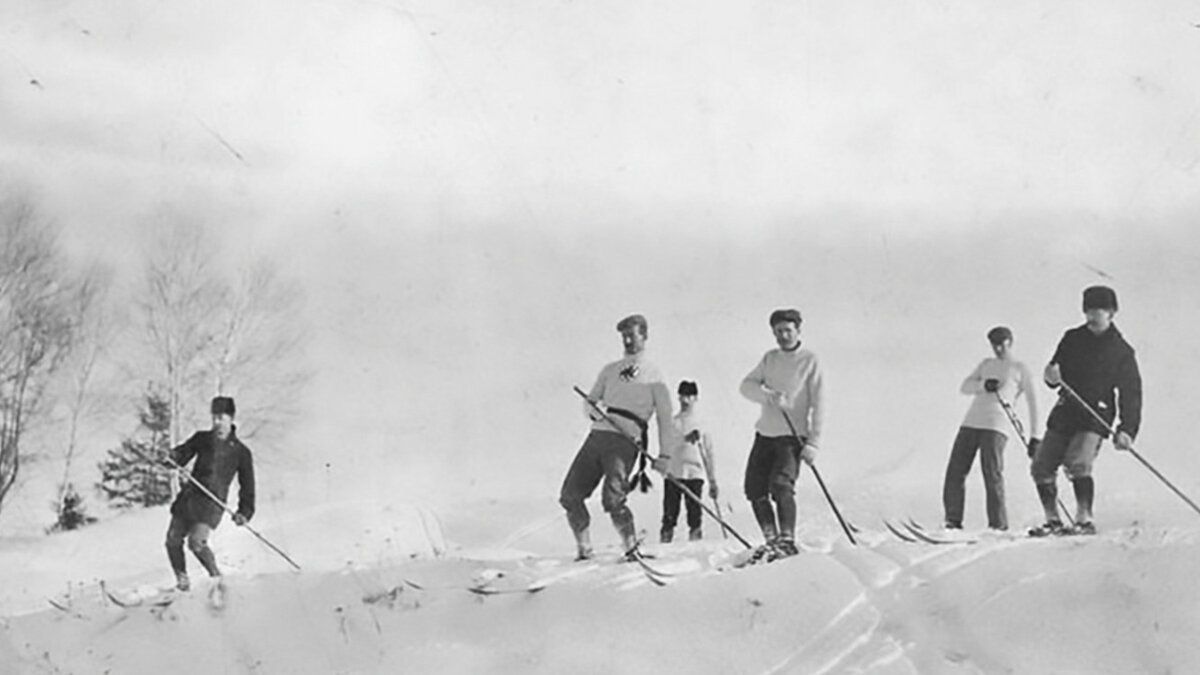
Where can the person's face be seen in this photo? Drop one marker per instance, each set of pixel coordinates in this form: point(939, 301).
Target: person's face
point(687, 400)
point(222, 424)
point(634, 340)
point(1098, 320)
point(1001, 349)
point(787, 334)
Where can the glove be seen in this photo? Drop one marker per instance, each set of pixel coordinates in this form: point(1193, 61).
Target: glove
point(712, 489)
point(659, 464)
point(779, 398)
point(1052, 375)
point(239, 519)
point(991, 385)
point(808, 453)
point(693, 436)
point(1122, 441)
point(1034, 444)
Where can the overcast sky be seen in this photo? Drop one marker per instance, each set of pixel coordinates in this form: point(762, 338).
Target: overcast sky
point(451, 176)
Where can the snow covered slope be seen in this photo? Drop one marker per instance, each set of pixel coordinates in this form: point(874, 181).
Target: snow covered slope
point(1120, 602)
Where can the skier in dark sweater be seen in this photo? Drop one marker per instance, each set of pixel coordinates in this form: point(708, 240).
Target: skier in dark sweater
point(1098, 364)
point(194, 515)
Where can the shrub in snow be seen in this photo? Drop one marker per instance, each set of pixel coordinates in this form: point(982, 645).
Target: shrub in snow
point(72, 514)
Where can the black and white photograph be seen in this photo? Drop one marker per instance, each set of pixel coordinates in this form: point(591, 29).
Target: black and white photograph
point(471, 337)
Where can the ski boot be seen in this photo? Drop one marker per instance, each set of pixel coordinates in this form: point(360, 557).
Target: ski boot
point(785, 547)
point(1081, 528)
point(583, 545)
point(182, 582)
point(216, 594)
point(1049, 528)
point(695, 534)
point(666, 536)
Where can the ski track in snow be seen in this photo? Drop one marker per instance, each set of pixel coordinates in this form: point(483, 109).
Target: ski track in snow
point(890, 573)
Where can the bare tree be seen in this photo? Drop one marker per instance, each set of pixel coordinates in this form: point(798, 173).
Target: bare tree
point(212, 336)
point(258, 352)
point(181, 305)
point(81, 395)
point(36, 327)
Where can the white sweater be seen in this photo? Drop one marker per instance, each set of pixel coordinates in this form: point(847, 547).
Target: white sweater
point(985, 411)
point(798, 375)
point(636, 385)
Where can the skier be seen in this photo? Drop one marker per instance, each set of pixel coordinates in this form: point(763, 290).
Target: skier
point(787, 384)
point(1095, 361)
point(985, 429)
point(220, 456)
point(690, 461)
point(630, 390)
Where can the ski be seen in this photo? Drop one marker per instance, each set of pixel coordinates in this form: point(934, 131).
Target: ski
point(59, 606)
point(160, 599)
point(654, 575)
point(899, 535)
point(490, 590)
point(923, 536)
point(480, 589)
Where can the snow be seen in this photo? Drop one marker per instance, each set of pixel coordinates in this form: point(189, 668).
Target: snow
point(1122, 601)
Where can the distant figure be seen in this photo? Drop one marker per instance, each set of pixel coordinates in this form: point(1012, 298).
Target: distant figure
point(995, 383)
point(219, 457)
point(787, 384)
point(1096, 362)
point(690, 461)
point(630, 391)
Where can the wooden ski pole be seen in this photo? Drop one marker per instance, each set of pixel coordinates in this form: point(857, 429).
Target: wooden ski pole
point(1016, 423)
point(821, 482)
point(1112, 430)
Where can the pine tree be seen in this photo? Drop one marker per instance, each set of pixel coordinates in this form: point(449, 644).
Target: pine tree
point(133, 474)
point(72, 514)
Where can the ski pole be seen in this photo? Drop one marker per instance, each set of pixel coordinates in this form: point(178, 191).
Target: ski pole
point(674, 481)
point(716, 504)
point(1012, 417)
point(820, 481)
point(1112, 430)
point(191, 479)
point(724, 529)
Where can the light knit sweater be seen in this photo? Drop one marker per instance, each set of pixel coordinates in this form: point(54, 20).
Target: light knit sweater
point(798, 375)
point(636, 385)
point(986, 412)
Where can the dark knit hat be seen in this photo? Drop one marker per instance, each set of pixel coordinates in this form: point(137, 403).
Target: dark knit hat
point(688, 388)
point(999, 334)
point(781, 315)
point(223, 405)
point(633, 320)
point(1099, 297)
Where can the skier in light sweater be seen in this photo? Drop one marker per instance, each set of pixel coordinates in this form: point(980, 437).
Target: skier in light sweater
point(787, 384)
point(630, 391)
point(690, 461)
point(986, 427)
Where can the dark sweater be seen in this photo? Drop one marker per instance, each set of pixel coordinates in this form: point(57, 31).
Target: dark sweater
point(1097, 367)
point(217, 462)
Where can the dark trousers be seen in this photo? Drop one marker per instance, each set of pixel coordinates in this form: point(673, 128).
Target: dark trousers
point(605, 456)
point(771, 476)
point(197, 540)
point(671, 496)
point(990, 447)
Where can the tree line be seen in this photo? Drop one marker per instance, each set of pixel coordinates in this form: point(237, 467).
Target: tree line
point(83, 347)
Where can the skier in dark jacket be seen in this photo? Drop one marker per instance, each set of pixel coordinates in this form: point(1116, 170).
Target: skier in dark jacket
point(1095, 360)
point(194, 515)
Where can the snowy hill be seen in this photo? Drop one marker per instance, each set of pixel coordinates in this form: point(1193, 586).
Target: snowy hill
point(1120, 602)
